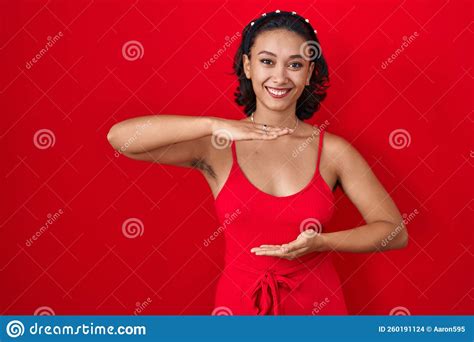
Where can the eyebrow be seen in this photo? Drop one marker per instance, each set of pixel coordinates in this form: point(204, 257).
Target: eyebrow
point(271, 53)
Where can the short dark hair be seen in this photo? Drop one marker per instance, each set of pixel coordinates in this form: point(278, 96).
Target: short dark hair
point(309, 101)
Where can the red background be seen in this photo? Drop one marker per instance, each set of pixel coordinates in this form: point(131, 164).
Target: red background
point(83, 263)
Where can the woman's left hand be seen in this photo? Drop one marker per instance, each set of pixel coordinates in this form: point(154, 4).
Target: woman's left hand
point(307, 242)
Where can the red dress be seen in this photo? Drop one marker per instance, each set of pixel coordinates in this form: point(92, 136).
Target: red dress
point(264, 285)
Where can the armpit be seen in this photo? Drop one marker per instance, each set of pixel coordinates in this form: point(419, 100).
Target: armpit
point(202, 165)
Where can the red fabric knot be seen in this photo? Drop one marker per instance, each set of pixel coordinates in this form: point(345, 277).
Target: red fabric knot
point(266, 292)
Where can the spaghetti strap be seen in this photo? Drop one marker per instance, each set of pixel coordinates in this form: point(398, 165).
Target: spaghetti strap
point(320, 149)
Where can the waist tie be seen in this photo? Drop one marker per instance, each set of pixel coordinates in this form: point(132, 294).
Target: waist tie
point(266, 289)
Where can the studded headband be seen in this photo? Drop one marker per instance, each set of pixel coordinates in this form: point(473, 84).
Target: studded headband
point(256, 23)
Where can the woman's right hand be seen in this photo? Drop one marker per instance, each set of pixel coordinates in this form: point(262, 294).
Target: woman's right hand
point(246, 130)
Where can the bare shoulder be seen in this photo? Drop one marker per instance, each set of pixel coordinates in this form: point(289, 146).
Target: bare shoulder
point(340, 150)
point(334, 142)
point(345, 162)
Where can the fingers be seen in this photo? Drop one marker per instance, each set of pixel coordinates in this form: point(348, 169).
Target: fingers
point(270, 252)
point(262, 132)
point(269, 127)
point(285, 248)
point(265, 248)
point(271, 134)
point(278, 252)
point(272, 131)
point(281, 250)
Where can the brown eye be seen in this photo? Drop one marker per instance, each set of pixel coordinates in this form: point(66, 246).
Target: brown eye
point(266, 61)
point(296, 65)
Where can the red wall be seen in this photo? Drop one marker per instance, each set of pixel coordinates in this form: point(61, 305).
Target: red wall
point(83, 264)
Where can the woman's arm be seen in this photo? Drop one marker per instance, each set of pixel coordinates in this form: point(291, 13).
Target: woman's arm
point(372, 237)
point(145, 133)
point(181, 140)
point(385, 228)
point(165, 139)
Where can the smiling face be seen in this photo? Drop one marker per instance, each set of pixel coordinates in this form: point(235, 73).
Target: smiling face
point(277, 69)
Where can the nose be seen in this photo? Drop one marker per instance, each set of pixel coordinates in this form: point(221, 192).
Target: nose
point(279, 75)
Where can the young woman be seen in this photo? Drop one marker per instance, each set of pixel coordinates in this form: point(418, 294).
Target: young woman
point(273, 176)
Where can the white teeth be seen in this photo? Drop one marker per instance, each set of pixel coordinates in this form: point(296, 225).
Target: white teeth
point(277, 92)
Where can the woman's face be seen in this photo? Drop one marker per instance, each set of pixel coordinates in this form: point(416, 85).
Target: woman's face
point(277, 69)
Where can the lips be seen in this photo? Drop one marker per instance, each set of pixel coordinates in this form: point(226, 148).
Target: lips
point(278, 93)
